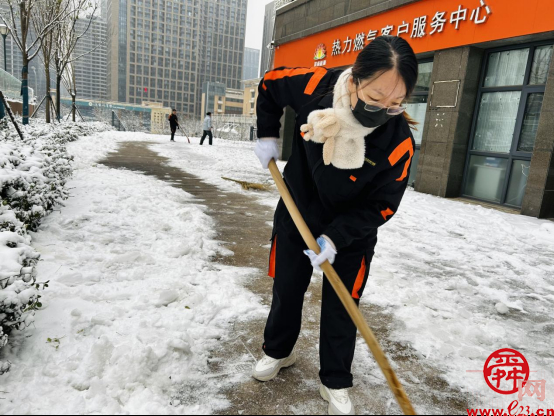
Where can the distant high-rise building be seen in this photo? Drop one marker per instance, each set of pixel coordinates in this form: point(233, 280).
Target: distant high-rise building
point(104, 9)
point(211, 91)
point(269, 28)
point(91, 68)
point(165, 50)
point(251, 63)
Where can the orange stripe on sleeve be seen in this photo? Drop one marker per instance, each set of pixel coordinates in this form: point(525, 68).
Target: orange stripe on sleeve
point(319, 73)
point(315, 80)
point(405, 147)
point(387, 213)
point(359, 280)
point(272, 259)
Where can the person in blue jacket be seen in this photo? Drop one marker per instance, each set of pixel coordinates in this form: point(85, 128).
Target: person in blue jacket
point(349, 169)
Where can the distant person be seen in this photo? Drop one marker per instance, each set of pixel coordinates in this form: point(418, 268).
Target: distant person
point(174, 124)
point(207, 127)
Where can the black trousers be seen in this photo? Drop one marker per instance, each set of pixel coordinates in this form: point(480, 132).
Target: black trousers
point(207, 133)
point(292, 272)
point(173, 130)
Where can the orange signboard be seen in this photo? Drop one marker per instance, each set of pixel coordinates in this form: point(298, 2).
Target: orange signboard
point(428, 25)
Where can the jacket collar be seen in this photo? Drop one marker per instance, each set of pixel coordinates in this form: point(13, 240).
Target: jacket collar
point(382, 137)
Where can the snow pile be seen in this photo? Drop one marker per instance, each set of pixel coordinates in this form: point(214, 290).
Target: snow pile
point(33, 174)
point(134, 304)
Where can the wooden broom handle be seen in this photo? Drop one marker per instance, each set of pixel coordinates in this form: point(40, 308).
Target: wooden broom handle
point(343, 294)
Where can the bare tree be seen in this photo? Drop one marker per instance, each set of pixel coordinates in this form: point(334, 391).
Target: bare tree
point(70, 80)
point(133, 121)
point(18, 20)
point(70, 83)
point(66, 37)
point(102, 114)
point(233, 127)
point(40, 18)
point(191, 126)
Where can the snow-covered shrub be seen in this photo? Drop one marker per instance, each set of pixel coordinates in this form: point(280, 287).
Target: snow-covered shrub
point(33, 174)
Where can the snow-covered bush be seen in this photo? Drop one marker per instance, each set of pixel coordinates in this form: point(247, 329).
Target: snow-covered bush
point(33, 174)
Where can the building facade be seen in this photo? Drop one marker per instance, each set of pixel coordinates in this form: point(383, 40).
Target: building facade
point(251, 66)
point(165, 50)
point(211, 96)
point(484, 96)
point(269, 28)
point(250, 96)
point(233, 102)
point(219, 100)
point(91, 70)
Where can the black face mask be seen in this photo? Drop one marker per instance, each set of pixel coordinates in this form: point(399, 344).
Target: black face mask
point(370, 119)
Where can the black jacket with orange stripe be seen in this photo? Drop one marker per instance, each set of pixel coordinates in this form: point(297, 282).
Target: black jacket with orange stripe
point(346, 205)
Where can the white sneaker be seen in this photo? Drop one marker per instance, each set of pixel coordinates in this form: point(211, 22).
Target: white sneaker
point(267, 368)
point(339, 401)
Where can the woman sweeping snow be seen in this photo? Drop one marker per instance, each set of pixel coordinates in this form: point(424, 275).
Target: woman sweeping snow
point(348, 172)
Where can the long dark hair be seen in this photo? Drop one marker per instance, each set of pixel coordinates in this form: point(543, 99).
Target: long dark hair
point(386, 53)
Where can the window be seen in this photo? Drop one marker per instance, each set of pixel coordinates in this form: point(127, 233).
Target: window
point(417, 109)
point(541, 65)
point(496, 121)
point(506, 123)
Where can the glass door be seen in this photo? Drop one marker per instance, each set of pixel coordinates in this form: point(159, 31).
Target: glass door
point(417, 109)
point(506, 123)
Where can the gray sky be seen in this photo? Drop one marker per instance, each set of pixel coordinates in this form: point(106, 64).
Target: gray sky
point(255, 23)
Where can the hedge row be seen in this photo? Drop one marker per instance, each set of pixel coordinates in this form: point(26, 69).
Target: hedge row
point(33, 175)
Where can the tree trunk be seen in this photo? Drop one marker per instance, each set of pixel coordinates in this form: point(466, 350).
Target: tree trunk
point(25, 90)
point(73, 105)
point(59, 96)
point(74, 92)
point(25, 69)
point(48, 96)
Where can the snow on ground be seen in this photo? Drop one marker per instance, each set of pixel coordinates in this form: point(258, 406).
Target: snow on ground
point(133, 297)
point(446, 271)
point(449, 271)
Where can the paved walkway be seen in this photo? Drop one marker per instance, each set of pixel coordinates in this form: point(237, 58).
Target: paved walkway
point(243, 227)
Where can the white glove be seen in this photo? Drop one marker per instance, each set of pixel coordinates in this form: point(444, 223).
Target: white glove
point(266, 150)
point(328, 253)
